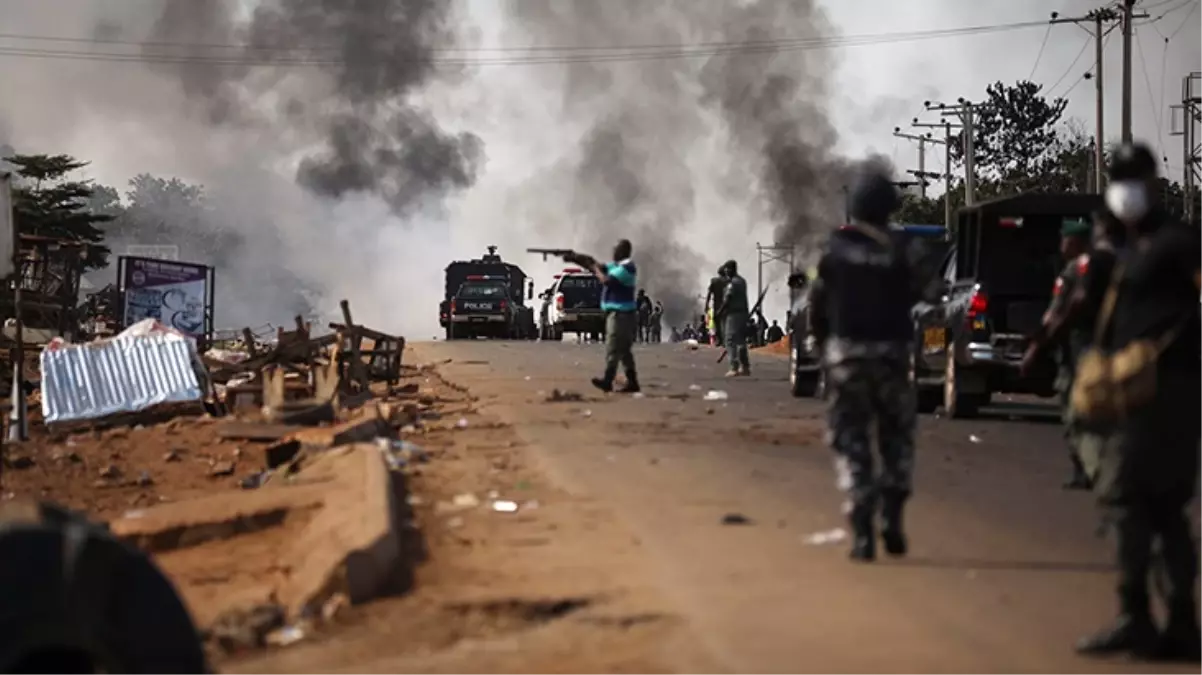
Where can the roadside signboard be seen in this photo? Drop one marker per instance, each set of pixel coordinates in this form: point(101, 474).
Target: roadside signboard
point(177, 294)
point(7, 238)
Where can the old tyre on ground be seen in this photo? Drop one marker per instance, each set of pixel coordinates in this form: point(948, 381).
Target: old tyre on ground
point(957, 404)
point(77, 600)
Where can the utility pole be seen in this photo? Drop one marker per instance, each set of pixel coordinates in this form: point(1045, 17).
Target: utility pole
point(773, 253)
point(1128, 16)
point(1103, 19)
point(922, 157)
point(1191, 145)
point(923, 175)
point(947, 165)
point(966, 110)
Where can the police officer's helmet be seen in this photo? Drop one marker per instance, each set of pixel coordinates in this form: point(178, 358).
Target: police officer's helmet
point(1132, 161)
point(873, 196)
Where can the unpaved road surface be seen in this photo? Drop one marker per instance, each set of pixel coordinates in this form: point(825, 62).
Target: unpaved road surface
point(1005, 570)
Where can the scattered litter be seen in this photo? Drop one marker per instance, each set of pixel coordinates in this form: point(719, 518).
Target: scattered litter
point(334, 606)
point(527, 378)
point(504, 506)
point(587, 413)
point(21, 462)
point(716, 395)
point(144, 479)
point(462, 423)
point(414, 500)
point(222, 469)
point(255, 480)
point(974, 438)
point(171, 456)
point(493, 494)
point(465, 500)
point(694, 387)
point(639, 394)
point(735, 519)
point(563, 396)
point(110, 471)
point(455, 522)
point(135, 514)
point(828, 537)
point(285, 636)
point(692, 344)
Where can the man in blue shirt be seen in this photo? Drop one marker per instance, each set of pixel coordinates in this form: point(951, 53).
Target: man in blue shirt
point(618, 279)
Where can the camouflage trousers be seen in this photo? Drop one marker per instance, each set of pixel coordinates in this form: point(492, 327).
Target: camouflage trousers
point(870, 395)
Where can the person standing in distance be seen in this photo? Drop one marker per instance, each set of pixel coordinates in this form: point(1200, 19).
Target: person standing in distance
point(1074, 249)
point(618, 279)
point(735, 316)
point(859, 315)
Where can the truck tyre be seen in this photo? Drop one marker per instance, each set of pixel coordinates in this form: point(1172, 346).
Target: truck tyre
point(801, 385)
point(80, 601)
point(957, 405)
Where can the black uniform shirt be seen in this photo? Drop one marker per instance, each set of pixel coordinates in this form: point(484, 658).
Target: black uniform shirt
point(1158, 293)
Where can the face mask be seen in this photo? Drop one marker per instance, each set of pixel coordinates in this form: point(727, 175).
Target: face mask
point(1127, 200)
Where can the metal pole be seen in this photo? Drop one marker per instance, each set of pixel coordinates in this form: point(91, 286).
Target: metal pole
point(947, 177)
point(1128, 5)
point(970, 179)
point(759, 270)
point(18, 431)
point(922, 168)
point(1099, 150)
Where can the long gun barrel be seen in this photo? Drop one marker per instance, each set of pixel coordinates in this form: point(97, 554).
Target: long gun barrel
point(567, 254)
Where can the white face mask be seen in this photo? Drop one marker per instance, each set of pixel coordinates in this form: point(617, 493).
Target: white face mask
point(1127, 200)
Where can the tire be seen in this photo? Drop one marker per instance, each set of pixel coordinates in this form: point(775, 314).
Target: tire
point(557, 334)
point(801, 385)
point(79, 600)
point(956, 404)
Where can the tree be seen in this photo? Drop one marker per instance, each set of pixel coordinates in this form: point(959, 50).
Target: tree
point(1015, 135)
point(47, 204)
point(918, 210)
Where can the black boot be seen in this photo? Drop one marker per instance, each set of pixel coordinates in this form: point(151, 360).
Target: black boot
point(605, 385)
point(893, 534)
point(632, 384)
point(1132, 632)
point(1182, 638)
point(1078, 481)
point(863, 539)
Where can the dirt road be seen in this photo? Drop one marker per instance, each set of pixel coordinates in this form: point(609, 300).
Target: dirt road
point(1005, 570)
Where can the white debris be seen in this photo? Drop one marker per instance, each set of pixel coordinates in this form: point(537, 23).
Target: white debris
point(466, 500)
point(639, 394)
point(692, 344)
point(462, 423)
point(285, 636)
point(694, 387)
point(974, 438)
point(828, 537)
point(504, 506)
point(587, 413)
point(716, 395)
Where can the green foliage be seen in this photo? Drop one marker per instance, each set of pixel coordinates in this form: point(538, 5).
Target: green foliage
point(915, 210)
point(1015, 132)
point(46, 203)
point(169, 211)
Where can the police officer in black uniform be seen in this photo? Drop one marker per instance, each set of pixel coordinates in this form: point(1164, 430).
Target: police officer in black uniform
point(1148, 467)
point(859, 314)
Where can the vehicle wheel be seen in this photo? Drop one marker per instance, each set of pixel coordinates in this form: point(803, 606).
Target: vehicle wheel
point(956, 404)
point(558, 334)
point(801, 385)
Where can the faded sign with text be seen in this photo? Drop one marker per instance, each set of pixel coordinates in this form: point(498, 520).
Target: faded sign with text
point(173, 293)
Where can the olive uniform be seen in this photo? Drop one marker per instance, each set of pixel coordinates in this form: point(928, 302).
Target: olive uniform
point(1070, 349)
point(735, 314)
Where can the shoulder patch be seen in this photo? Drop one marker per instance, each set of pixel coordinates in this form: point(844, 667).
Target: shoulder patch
point(1058, 287)
point(1082, 264)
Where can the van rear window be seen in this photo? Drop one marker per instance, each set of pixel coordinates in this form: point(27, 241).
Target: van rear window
point(1021, 257)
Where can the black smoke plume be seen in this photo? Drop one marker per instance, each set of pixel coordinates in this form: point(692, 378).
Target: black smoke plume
point(339, 73)
point(635, 175)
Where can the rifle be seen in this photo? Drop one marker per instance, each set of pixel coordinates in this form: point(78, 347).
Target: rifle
point(569, 255)
point(756, 308)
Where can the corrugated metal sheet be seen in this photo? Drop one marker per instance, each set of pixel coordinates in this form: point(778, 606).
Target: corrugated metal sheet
point(124, 374)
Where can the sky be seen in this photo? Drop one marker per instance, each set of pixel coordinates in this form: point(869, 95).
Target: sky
point(127, 119)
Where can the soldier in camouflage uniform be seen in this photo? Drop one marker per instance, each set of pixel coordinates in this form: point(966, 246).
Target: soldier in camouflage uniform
point(733, 314)
point(859, 313)
point(1074, 246)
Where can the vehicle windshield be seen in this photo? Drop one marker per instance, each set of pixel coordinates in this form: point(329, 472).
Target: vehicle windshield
point(489, 291)
point(578, 282)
